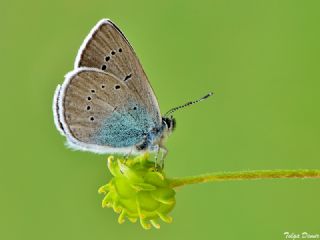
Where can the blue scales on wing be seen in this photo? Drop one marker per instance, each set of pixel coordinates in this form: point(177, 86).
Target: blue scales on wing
point(125, 128)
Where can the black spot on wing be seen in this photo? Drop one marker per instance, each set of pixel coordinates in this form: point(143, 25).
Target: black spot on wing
point(127, 77)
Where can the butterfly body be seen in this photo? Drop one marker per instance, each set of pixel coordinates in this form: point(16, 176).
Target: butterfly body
point(106, 104)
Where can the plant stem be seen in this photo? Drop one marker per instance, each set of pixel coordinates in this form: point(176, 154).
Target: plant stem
point(245, 175)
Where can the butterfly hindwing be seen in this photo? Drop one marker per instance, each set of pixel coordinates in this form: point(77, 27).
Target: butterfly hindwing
point(97, 109)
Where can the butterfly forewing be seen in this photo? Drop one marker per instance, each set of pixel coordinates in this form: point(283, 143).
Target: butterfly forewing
point(107, 49)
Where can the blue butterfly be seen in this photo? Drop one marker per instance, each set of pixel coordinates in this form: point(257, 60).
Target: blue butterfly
point(106, 104)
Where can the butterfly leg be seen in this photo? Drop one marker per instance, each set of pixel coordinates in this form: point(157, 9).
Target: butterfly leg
point(126, 157)
point(159, 161)
point(164, 152)
point(156, 158)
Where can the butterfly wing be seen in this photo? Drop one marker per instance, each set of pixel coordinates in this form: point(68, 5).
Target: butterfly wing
point(56, 115)
point(106, 48)
point(99, 112)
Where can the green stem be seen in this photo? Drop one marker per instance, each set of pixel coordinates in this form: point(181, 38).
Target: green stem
point(245, 175)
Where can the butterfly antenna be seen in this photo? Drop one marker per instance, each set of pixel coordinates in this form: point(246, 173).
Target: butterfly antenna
point(172, 110)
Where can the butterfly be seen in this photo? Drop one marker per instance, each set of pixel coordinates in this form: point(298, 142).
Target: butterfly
point(106, 104)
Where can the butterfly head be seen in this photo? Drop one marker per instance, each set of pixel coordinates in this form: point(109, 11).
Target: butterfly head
point(169, 124)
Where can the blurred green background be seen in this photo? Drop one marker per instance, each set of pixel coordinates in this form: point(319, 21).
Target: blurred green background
point(261, 58)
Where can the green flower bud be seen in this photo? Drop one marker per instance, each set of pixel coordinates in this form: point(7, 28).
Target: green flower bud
point(138, 191)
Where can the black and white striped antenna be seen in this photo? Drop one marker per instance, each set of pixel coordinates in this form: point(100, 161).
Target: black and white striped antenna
point(172, 110)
